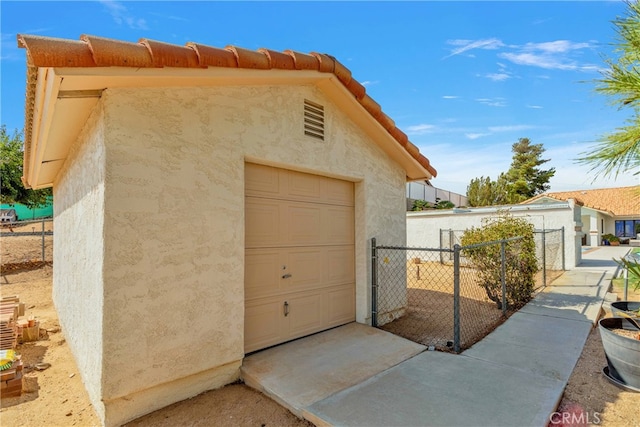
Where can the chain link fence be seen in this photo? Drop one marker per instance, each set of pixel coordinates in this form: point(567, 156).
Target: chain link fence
point(26, 242)
point(550, 252)
point(435, 297)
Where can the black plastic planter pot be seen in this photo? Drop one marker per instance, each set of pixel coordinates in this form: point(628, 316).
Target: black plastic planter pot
point(630, 308)
point(623, 353)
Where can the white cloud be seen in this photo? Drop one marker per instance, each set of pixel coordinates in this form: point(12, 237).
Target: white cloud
point(543, 61)
point(510, 128)
point(553, 55)
point(369, 83)
point(536, 107)
point(420, 129)
point(558, 46)
point(476, 135)
point(466, 45)
point(121, 15)
point(492, 102)
point(450, 97)
point(498, 77)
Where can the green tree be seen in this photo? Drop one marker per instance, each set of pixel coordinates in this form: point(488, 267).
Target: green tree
point(485, 192)
point(619, 151)
point(525, 179)
point(12, 190)
point(521, 265)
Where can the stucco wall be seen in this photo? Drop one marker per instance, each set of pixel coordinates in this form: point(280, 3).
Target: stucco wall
point(423, 227)
point(78, 252)
point(173, 302)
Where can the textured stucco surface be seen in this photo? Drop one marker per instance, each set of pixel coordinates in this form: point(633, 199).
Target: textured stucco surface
point(173, 225)
point(78, 252)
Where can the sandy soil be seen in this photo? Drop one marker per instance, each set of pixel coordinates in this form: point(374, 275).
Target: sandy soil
point(56, 396)
point(589, 396)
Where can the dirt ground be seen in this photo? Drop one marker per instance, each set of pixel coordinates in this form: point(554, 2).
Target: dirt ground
point(590, 393)
point(56, 396)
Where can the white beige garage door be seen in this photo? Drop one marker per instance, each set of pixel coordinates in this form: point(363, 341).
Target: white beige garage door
point(299, 255)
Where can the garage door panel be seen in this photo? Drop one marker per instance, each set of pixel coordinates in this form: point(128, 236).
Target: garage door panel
point(262, 222)
point(262, 273)
point(339, 192)
point(262, 325)
point(302, 222)
point(340, 265)
point(341, 305)
point(302, 186)
point(305, 314)
point(262, 180)
point(338, 225)
point(306, 267)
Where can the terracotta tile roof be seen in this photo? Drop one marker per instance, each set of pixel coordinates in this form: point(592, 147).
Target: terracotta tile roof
point(92, 51)
point(620, 201)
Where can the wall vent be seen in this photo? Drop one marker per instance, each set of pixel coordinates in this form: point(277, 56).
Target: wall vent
point(313, 120)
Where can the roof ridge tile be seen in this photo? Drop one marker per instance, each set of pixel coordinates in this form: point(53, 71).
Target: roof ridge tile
point(92, 51)
point(171, 55)
point(209, 56)
point(249, 58)
point(108, 52)
point(302, 61)
point(278, 60)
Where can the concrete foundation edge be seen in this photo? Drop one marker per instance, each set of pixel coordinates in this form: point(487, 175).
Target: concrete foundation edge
point(127, 408)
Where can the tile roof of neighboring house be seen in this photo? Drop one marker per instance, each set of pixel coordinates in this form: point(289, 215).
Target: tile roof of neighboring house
point(620, 201)
point(92, 51)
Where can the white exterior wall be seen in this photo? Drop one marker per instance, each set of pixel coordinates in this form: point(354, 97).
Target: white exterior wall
point(423, 227)
point(173, 212)
point(78, 253)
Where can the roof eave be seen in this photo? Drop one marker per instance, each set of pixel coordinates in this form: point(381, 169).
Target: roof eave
point(47, 83)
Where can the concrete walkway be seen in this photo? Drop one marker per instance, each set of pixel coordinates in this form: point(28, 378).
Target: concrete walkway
point(359, 376)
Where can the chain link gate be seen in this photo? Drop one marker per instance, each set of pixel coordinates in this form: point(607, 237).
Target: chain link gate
point(431, 296)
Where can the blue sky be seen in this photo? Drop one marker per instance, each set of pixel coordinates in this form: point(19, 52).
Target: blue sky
point(464, 80)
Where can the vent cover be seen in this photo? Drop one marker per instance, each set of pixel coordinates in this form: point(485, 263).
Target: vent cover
point(313, 120)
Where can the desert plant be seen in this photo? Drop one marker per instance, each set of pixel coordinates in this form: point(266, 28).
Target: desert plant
point(633, 271)
point(520, 260)
point(444, 204)
point(421, 205)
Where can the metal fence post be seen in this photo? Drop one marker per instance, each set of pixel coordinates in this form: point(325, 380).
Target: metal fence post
point(456, 298)
point(544, 257)
point(563, 254)
point(503, 275)
point(441, 253)
point(43, 240)
point(374, 283)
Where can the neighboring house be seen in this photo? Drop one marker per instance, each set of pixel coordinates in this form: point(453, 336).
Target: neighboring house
point(8, 215)
point(604, 211)
point(424, 190)
point(430, 228)
point(288, 167)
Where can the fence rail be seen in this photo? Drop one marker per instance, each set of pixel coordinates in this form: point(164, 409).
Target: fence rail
point(21, 250)
point(434, 296)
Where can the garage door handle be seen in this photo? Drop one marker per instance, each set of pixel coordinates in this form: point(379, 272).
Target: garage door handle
point(286, 309)
point(286, 276)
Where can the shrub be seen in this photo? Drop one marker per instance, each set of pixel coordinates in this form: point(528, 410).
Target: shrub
point(520, 255)
point(421, 205)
